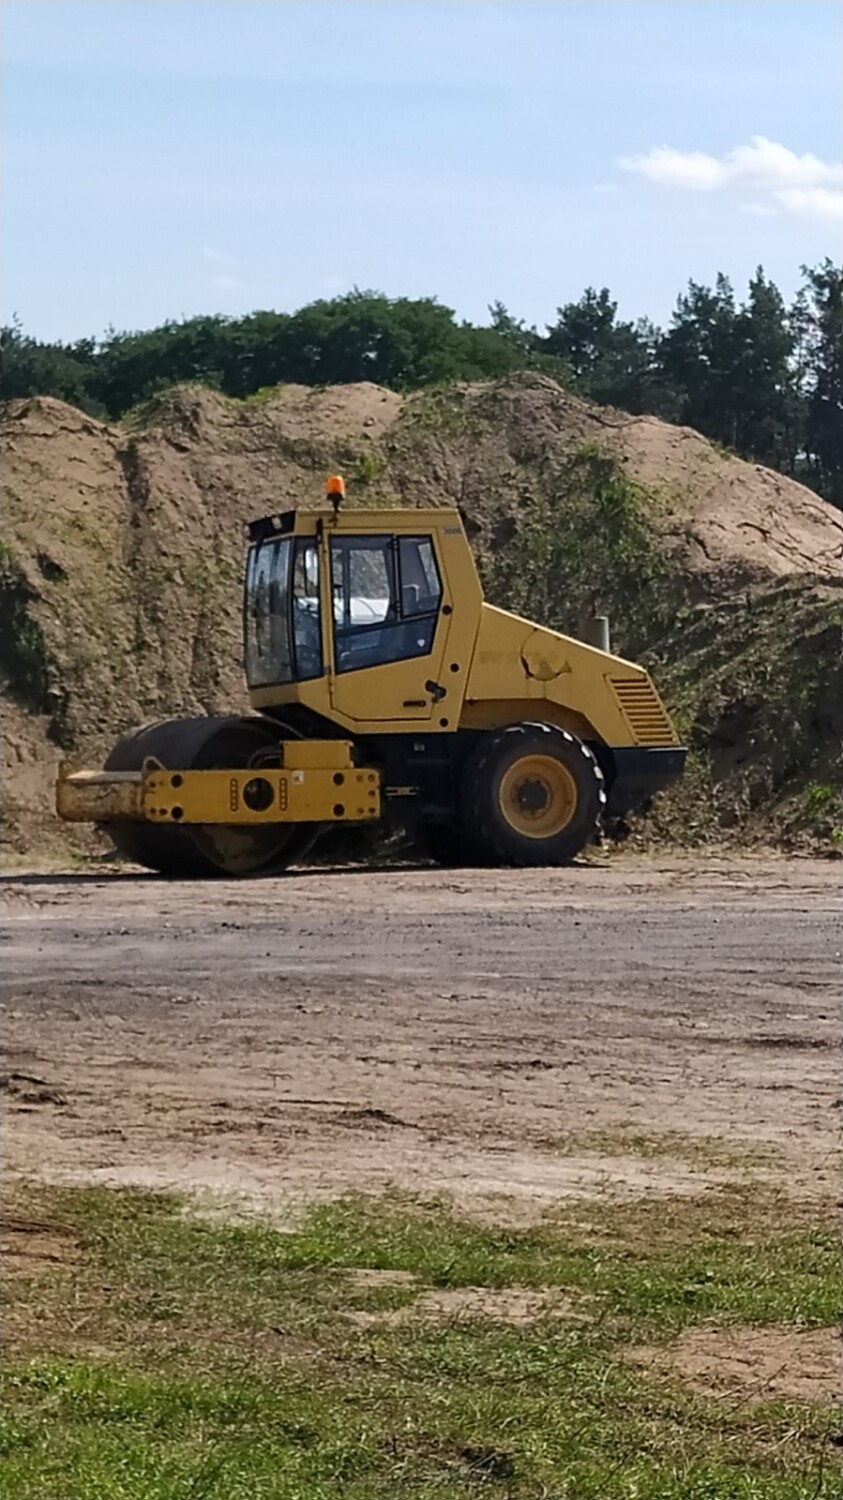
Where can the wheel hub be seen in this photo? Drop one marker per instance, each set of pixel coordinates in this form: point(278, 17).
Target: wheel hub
point(533, 796)
point(538, 796)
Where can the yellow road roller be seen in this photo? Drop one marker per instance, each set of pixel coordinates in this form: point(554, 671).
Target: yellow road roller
point(385, 690)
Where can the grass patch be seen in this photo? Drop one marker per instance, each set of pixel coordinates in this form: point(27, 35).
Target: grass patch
point(165, 1356)
point(367, 470)
point(703, 1152)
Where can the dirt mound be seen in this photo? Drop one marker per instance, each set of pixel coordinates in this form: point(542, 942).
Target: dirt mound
point(122, 555)
point(725, 520)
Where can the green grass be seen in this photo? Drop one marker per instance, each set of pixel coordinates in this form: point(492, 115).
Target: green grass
point(703, 1152)
point(367, 470)
point(169, 1357)
point(819, 795)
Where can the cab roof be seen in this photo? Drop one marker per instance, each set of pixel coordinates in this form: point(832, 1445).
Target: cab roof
point(403, 521)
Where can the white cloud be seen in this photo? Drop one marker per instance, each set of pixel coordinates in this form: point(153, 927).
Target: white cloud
point(804, 185)
point(682, 169)
point(812, 203)
point(761, 164)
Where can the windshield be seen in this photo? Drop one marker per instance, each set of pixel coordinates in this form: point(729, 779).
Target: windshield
point(282, 627)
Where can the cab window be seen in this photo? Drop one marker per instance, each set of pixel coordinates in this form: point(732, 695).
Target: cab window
point(387, 593)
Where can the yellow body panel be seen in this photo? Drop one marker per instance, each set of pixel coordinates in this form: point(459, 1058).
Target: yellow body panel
point(311, 796)
point(321, 755)
point(520, 671)
point(314, 786)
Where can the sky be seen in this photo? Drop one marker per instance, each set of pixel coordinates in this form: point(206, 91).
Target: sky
point(163, 158)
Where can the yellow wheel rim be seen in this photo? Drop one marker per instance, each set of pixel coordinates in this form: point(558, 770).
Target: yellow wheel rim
point(538, 796)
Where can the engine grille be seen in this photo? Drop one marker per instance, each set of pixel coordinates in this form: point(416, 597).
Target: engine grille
point(644, 711)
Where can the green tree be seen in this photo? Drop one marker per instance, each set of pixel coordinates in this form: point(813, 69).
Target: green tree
point(698, 357)
point(513, 331)
point(611, 362)
point(584, 333)
point(817, 318)
point(402, 343)
point(130, 367)
point(31, 368)
point(765, 389)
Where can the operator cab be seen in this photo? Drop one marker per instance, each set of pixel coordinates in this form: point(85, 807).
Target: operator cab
point(385, 600)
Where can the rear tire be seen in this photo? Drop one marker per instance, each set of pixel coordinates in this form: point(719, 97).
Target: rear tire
point(532, 795)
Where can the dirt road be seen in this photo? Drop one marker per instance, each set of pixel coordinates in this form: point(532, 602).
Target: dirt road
point(640, 1026)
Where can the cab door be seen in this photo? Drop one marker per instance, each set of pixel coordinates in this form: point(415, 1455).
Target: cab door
point(389, 632)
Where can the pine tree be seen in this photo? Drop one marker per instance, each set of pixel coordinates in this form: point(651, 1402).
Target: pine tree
point(818, 318)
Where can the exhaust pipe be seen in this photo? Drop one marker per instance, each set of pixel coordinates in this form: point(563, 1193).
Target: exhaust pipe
point(594, 630)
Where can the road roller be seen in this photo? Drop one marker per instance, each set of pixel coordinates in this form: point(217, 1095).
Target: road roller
point(385, 691)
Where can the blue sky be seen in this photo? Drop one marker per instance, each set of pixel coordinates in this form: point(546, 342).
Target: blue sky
point(169, 157)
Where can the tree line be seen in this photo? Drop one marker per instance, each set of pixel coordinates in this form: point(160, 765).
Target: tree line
point(762, 378)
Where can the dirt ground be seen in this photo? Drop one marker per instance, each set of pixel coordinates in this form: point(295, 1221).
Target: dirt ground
point(631, 1027)
point(756, 1364)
